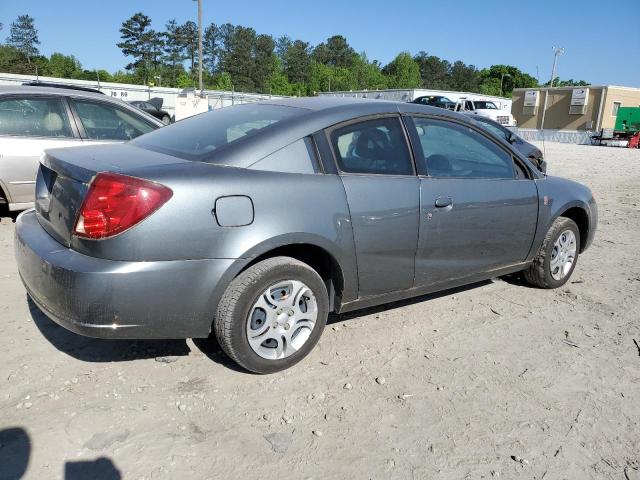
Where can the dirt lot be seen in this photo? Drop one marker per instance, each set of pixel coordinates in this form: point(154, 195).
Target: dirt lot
point(494, 380)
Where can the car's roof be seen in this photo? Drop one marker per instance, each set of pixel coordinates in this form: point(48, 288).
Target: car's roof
point(325, 102)
point(354, 106)
point(313, 115)
point(53, 91)
point(70, 92)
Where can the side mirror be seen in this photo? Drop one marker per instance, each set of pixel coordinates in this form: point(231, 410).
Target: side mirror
point(420, 131)
point(511, 137)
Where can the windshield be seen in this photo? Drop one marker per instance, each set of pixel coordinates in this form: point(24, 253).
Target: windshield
point(197, 137)
point(485, 105)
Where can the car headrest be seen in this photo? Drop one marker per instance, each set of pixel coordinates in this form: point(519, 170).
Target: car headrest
point(52, 122)
point(371, 143)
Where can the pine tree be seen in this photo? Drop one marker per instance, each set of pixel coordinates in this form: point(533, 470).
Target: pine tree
point(211, 48)
point(174, 50)
point(23, 37)
point(142, 43)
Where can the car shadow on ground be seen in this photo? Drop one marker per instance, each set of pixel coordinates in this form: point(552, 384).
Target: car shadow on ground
point(103, 350)
point(213, 351)
point(100, 350)
point(7, 216)
point(517, 279)
point(338, 318)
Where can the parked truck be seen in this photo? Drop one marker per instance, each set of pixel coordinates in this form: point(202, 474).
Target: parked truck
point(485, 108)
point(626, 131)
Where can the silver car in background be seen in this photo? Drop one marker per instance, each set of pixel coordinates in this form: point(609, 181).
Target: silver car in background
point(35, 118)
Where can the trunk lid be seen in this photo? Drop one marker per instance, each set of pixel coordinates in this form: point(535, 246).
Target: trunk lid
point(65, 174)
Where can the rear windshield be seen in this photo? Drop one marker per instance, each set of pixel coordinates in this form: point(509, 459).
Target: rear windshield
point(198, 137)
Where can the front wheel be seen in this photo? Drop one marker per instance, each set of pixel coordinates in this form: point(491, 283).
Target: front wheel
point(557, 256)
point(272, 314)
point(166, 119)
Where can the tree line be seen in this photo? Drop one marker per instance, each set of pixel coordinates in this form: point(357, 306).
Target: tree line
point(238, 58)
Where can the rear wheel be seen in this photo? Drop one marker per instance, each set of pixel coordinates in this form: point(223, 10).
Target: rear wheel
point(272, 314)
point(166, 119)
point(557, 256)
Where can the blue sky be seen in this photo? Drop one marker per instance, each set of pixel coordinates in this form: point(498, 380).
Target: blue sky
point(601, 46)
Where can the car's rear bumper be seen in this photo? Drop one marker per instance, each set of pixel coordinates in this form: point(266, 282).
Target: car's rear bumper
point(116, 299)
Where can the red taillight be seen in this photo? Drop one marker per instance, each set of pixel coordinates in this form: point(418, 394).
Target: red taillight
point(115, 203)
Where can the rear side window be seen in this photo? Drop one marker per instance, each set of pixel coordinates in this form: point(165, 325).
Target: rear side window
point(374, 146)
point(298, 157)
point(198, 137)
point(453, 150)
point(102, 121)
point(34, 117)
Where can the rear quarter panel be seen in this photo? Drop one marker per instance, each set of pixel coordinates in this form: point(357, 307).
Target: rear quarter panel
point(288, 209)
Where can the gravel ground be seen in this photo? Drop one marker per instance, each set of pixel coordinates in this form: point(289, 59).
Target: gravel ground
point(493, 380)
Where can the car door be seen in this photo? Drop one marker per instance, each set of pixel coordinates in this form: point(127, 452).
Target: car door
point(105, 122)
point(29, 124)
point(479, 208)
point(376, 167)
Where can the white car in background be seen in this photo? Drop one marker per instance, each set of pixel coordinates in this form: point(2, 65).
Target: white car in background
point(40, 116)
point(486, 108)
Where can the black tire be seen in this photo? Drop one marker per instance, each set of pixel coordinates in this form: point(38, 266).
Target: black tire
point(539, 273)
point(4, 204)
point(166, 119)
point(241, 294)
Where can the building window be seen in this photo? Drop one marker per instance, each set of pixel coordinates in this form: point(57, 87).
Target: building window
point(616, 106)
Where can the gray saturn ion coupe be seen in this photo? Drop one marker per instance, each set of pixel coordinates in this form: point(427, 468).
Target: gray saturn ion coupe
point(256, 221)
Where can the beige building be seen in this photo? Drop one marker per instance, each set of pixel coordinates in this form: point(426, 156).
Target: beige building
point(571, 108)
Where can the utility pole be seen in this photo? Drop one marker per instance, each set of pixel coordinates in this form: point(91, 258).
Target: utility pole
point(502, 80)
point(557, 51)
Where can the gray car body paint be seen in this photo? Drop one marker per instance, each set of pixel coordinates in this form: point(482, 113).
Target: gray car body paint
point(164, 277)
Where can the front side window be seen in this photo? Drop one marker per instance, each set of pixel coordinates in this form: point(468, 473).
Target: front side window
point(102, 121)
point(34, 117)
point(457, 151)
point(374, 146)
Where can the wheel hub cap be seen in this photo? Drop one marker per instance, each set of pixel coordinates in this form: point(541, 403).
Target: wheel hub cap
point(563, 255)
point(281, 320)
